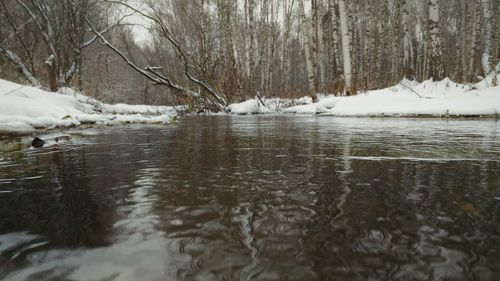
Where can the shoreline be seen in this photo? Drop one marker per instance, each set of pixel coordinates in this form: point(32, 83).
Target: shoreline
point(28, 110)
point(6, 135)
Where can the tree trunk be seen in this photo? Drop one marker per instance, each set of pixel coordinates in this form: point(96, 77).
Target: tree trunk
point(407, 63)
point(396, 46)
point(463, 43)
point(271, 48)
point(287, 8)
point(488, 19)
point(346, 48)
point(251, 35)
point(335, 38)
point(366, 52)
point(306, 29)
point(474, 41)
point(231, 73)
point(263, 43)
point(435, 69)
point(315, 43)
point(245, 38)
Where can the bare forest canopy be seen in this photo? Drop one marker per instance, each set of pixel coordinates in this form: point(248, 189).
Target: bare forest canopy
point(209, 53)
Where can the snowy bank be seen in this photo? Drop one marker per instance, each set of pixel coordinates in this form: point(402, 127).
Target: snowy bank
point(272, 105)
point(24, 109)
point(443, 98)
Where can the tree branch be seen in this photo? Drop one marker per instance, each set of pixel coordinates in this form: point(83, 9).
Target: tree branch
point(215, 97)
point(148, 73)
point(23, 69)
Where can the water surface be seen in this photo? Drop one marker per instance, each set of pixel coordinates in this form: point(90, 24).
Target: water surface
point(257, 198)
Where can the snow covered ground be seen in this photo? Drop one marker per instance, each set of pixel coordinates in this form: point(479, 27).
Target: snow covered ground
point(442, 98)
point(273, 105)
point(24, 109)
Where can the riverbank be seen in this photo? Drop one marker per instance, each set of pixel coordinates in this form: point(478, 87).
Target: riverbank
point(407, 99)
point(25, 109)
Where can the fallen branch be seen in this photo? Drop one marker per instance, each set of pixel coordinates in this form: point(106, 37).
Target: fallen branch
point(411, 89)
point(258, 97)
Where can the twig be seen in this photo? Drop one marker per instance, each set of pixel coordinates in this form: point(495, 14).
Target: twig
point(10, 92)
point(258, 96)
point(411, 89)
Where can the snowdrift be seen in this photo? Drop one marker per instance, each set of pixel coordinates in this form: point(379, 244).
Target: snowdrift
point(24, 109)
point(408, 98)
point(272, 105)
point(442, 98)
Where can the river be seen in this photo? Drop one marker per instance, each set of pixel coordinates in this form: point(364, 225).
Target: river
point(257, 198)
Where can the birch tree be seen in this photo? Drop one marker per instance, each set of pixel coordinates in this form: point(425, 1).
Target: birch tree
point(288, 7)
point(463, 41)
point(231, 81)
point(306, 29)
point(335, 36)
point(435, 69)
point(407, 56)
point(488, 19)
point(263, 44)
point(315, 45)
point(346, 47)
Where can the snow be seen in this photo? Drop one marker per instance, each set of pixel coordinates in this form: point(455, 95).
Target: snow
point(24, 109)
point(248, 107)
point(272, 105)
point(408, 98)
point(442, 98)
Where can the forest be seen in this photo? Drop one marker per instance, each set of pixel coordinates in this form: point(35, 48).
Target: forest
point(210, 53)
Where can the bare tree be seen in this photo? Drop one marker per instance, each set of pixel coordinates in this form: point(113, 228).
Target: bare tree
point(346, 45)
point(307, 30)
point(59, 28)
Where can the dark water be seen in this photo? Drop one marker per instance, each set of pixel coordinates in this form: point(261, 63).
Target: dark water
point(257, 198)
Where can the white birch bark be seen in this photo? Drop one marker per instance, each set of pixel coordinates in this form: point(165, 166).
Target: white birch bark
point(346, 48)
point(396, 45)
point(463, 42)
point(271, 46)
point(474, 41)
point(322, 44)
point(407, 64)
point(287, 8)
point(245, 38)
point(251, 31)
point(263, 43)
point(436, 70)
point(315, 41)
point(367, 45)
point(305, 24)
point(335, 36)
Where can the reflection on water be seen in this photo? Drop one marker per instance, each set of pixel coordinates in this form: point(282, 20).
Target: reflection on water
point(257, 198)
